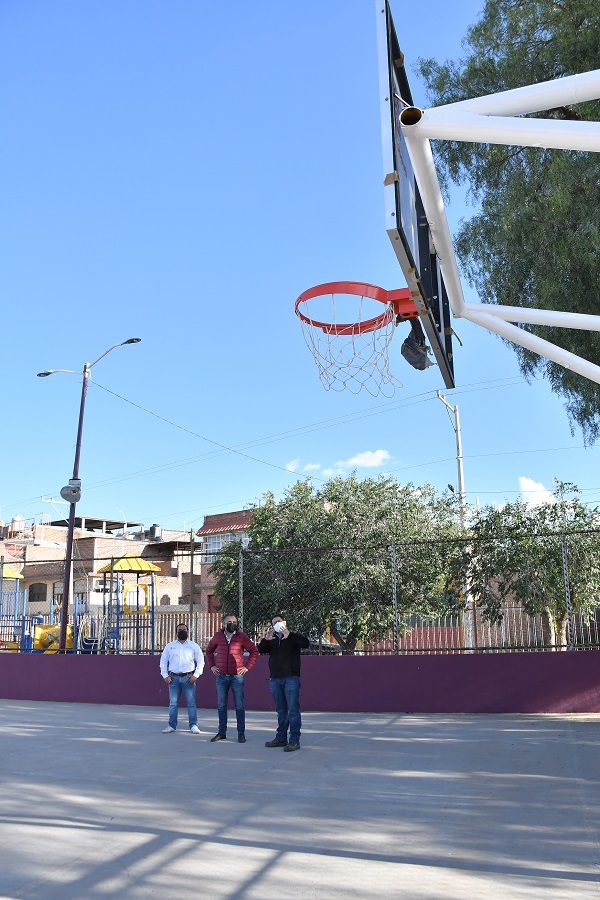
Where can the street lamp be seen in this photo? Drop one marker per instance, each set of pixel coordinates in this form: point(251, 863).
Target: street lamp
point(72, 492)
point(468, 618)
point(459, 455)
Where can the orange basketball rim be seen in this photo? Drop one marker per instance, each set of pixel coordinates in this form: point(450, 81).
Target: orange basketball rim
point(397, 303)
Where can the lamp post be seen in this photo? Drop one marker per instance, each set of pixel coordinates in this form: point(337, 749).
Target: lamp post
point(459, 455)
point(468, 622)
point(72, 492)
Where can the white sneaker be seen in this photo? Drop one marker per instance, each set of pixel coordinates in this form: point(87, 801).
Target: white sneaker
point(168, 730)
point(194, 729)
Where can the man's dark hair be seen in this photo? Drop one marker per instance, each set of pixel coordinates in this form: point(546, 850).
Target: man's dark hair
point(229, 616)
point(185, 625)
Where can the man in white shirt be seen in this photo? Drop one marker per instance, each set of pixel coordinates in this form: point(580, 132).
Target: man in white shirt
point(181, 664)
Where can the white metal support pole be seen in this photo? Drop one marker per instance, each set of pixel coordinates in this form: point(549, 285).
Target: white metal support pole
point(460, 125)
point(423, 165)
point(530, 98)
point(535, 343)
point(495, 119)
point(489, 316)
point(531, 316)
point(492, 119)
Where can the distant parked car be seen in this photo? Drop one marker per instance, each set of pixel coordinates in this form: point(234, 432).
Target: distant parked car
point(322, 648)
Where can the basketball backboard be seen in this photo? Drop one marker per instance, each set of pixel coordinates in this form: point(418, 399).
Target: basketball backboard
point(406, 223)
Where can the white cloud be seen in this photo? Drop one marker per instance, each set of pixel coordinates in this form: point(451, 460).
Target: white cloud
point(368, 459)
point(534, 493)
point(311, 467)
point(292, 465)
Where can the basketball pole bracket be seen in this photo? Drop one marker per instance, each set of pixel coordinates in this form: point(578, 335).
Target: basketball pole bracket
point(490, 119)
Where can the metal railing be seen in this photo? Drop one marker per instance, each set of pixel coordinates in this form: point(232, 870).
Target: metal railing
point(516, 632)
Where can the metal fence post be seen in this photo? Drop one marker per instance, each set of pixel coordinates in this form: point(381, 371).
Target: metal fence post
point(570, 630)
point(192, 548)
point(241, 589)
point(394, 597)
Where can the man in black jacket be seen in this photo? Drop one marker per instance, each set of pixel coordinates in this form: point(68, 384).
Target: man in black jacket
point(283, 647)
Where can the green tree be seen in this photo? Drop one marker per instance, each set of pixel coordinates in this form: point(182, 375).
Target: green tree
point(323, 555)
point(516, 556)
point(534, 240)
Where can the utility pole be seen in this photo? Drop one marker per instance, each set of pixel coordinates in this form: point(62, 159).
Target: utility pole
point(459, 455)
point(468, 621)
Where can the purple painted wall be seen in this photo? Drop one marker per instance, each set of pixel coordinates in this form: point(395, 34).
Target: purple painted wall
point(490, 683)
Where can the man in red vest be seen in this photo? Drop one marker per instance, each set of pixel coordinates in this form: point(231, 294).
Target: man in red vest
point(225, 657)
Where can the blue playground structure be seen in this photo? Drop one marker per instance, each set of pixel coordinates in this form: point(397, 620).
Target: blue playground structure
point(124, 623)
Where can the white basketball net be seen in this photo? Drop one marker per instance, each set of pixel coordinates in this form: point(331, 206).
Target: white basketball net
point(354, 361)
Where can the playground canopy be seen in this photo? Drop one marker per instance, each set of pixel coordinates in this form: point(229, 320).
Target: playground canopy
point(7, 572)
point(130, 563)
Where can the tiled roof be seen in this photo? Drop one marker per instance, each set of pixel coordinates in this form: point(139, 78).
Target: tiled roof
point(204, 530)
point(222, 523)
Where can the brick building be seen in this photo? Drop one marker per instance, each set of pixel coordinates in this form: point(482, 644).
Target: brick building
point(216, 532)
point(40, 549)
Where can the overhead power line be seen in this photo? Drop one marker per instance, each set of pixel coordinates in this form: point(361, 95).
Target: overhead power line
point(332, 422)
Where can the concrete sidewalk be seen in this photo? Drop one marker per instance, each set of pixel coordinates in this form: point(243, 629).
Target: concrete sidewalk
point(97, 803)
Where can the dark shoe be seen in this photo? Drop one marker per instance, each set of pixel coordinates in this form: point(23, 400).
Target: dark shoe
point(276, 744)
point(289, 748)
point(218, 737)
point(241, 738)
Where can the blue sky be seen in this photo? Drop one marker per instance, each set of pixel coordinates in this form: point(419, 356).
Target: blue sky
point(180, 172)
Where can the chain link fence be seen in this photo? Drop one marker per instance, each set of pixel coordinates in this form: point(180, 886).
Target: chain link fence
point(512, 593)
point(501, 593)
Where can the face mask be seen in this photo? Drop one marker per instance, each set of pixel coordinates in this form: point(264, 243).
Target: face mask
point(278, 627)
point(231, 627)
point(182, 635)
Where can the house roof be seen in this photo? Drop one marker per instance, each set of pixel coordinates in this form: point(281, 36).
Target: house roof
point(43, 571)
point(222, 523)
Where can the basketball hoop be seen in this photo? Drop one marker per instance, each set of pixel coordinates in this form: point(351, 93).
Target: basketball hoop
point(349, 340)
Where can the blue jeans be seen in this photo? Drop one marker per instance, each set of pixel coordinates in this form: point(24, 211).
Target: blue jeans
point(286, 694)
point(236, 683)
point(179, 684)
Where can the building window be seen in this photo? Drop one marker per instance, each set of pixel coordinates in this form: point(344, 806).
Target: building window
point(213, 604)
point(37, 593)
point(214, 543)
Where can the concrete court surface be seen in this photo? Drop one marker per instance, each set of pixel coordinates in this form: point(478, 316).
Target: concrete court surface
point(96, 803)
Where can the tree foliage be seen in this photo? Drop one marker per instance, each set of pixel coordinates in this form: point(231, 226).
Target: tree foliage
point(517, 557)
point(535, 239)
point(323, 555)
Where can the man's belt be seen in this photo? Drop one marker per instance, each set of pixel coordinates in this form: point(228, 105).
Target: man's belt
point(181, 674)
